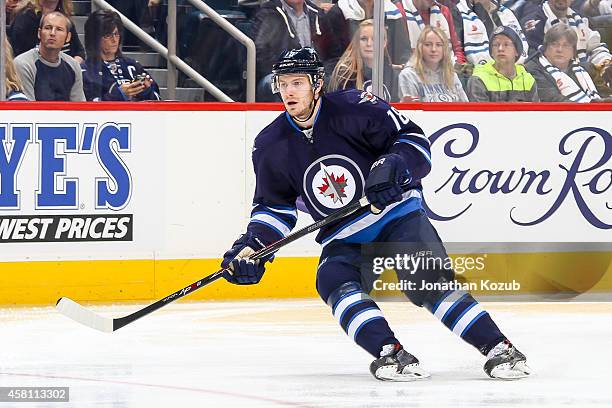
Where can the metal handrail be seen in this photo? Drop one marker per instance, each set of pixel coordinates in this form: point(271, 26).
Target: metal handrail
point(240, 37)
point(163, 51)
point(2, 56)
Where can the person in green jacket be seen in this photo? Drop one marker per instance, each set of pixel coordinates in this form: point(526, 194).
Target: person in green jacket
point(503, 80)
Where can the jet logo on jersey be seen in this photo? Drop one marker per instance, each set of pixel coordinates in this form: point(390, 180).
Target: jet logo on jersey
point(331, 182)
point(367, 96)
point(333, 187)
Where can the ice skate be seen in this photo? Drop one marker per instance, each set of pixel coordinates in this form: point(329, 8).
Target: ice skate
point(396, 364)
point(505, 362)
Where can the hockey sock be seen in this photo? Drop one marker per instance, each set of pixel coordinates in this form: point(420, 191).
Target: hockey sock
point(464, 316)
point(361, 318)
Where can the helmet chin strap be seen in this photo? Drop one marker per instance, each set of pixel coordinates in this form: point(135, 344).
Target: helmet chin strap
point(313, 105)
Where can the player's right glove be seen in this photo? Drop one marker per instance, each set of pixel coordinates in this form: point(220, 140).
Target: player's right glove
point(239, 269)
point(383, 186)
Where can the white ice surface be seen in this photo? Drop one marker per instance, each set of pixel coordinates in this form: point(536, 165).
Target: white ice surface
point(293, 354)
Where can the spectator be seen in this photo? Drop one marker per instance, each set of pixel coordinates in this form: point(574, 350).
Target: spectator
point(421, 13)
point(590, 48)
point(594, 8)
point(345, 17)
point(13, 91)
point(24, 30)
point(558, 75)
point(47, 73)
point(480, 19)
point(325, 5)
point(354, 69)
point(429, 77)
point(107, 74)
point(134, 10)
point(283, 25)
point(503, 80)
point(11, 8)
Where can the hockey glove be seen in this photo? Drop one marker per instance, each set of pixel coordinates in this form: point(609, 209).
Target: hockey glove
point(239, 269)
point(383, 186)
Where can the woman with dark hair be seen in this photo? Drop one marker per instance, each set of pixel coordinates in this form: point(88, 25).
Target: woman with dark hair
point(107, 74)
point(24, 30)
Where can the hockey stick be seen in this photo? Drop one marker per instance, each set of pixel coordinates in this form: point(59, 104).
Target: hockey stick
point(75, 311)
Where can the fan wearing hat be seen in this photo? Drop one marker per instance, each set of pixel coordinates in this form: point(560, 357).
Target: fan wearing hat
point(503, 80)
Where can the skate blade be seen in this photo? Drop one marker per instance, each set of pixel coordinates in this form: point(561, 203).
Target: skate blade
point(511, 372)
point(410, 373)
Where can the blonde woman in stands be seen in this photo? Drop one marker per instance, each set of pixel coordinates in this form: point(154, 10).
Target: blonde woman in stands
point(354, 69)
point(13, 91)
point(429, 76)
point(24, 30)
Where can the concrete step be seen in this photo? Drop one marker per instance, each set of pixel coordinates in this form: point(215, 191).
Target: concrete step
point(79, 23)
point(147, 59)
point(81, 8)
point(185, 94)
point(160, 75)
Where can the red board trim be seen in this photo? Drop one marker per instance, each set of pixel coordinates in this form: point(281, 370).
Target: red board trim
point(238, 106)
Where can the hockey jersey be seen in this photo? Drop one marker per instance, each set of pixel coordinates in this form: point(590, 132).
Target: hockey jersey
point(102, 80)
point(328, 164)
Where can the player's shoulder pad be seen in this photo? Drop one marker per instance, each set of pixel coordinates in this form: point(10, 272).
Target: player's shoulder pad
point(356, 101)
point(357, 97)
point(271, 134)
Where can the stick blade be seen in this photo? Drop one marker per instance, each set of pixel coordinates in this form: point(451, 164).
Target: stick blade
point(78, 313)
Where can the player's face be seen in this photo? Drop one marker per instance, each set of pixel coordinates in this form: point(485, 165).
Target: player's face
point(54, 32)
point(297, 95)
point(432, 49)
point(109, 44)
point(559, 6)
point(503, 50)
point(559, 53)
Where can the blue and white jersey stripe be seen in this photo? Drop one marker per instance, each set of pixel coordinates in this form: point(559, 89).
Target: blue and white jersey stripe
point(354, 310)
point(281, 220)
point(467, 318)
point(367, 226)
point(458, 310)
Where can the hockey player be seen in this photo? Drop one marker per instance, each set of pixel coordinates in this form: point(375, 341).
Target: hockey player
point(330, 149)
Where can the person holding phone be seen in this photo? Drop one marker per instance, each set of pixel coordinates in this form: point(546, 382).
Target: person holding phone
point(107, 74)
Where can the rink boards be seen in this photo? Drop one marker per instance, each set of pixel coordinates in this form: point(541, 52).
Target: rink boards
point(132, 202)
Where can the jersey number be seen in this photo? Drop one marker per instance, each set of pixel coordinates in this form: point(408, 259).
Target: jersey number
point(398, 117)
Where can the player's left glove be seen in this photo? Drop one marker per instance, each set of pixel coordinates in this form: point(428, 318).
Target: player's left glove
point(383, 186)
point(240, 270)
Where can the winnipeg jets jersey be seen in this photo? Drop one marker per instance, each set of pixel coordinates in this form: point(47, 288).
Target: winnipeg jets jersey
point(328, 164)
point(102, 80)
